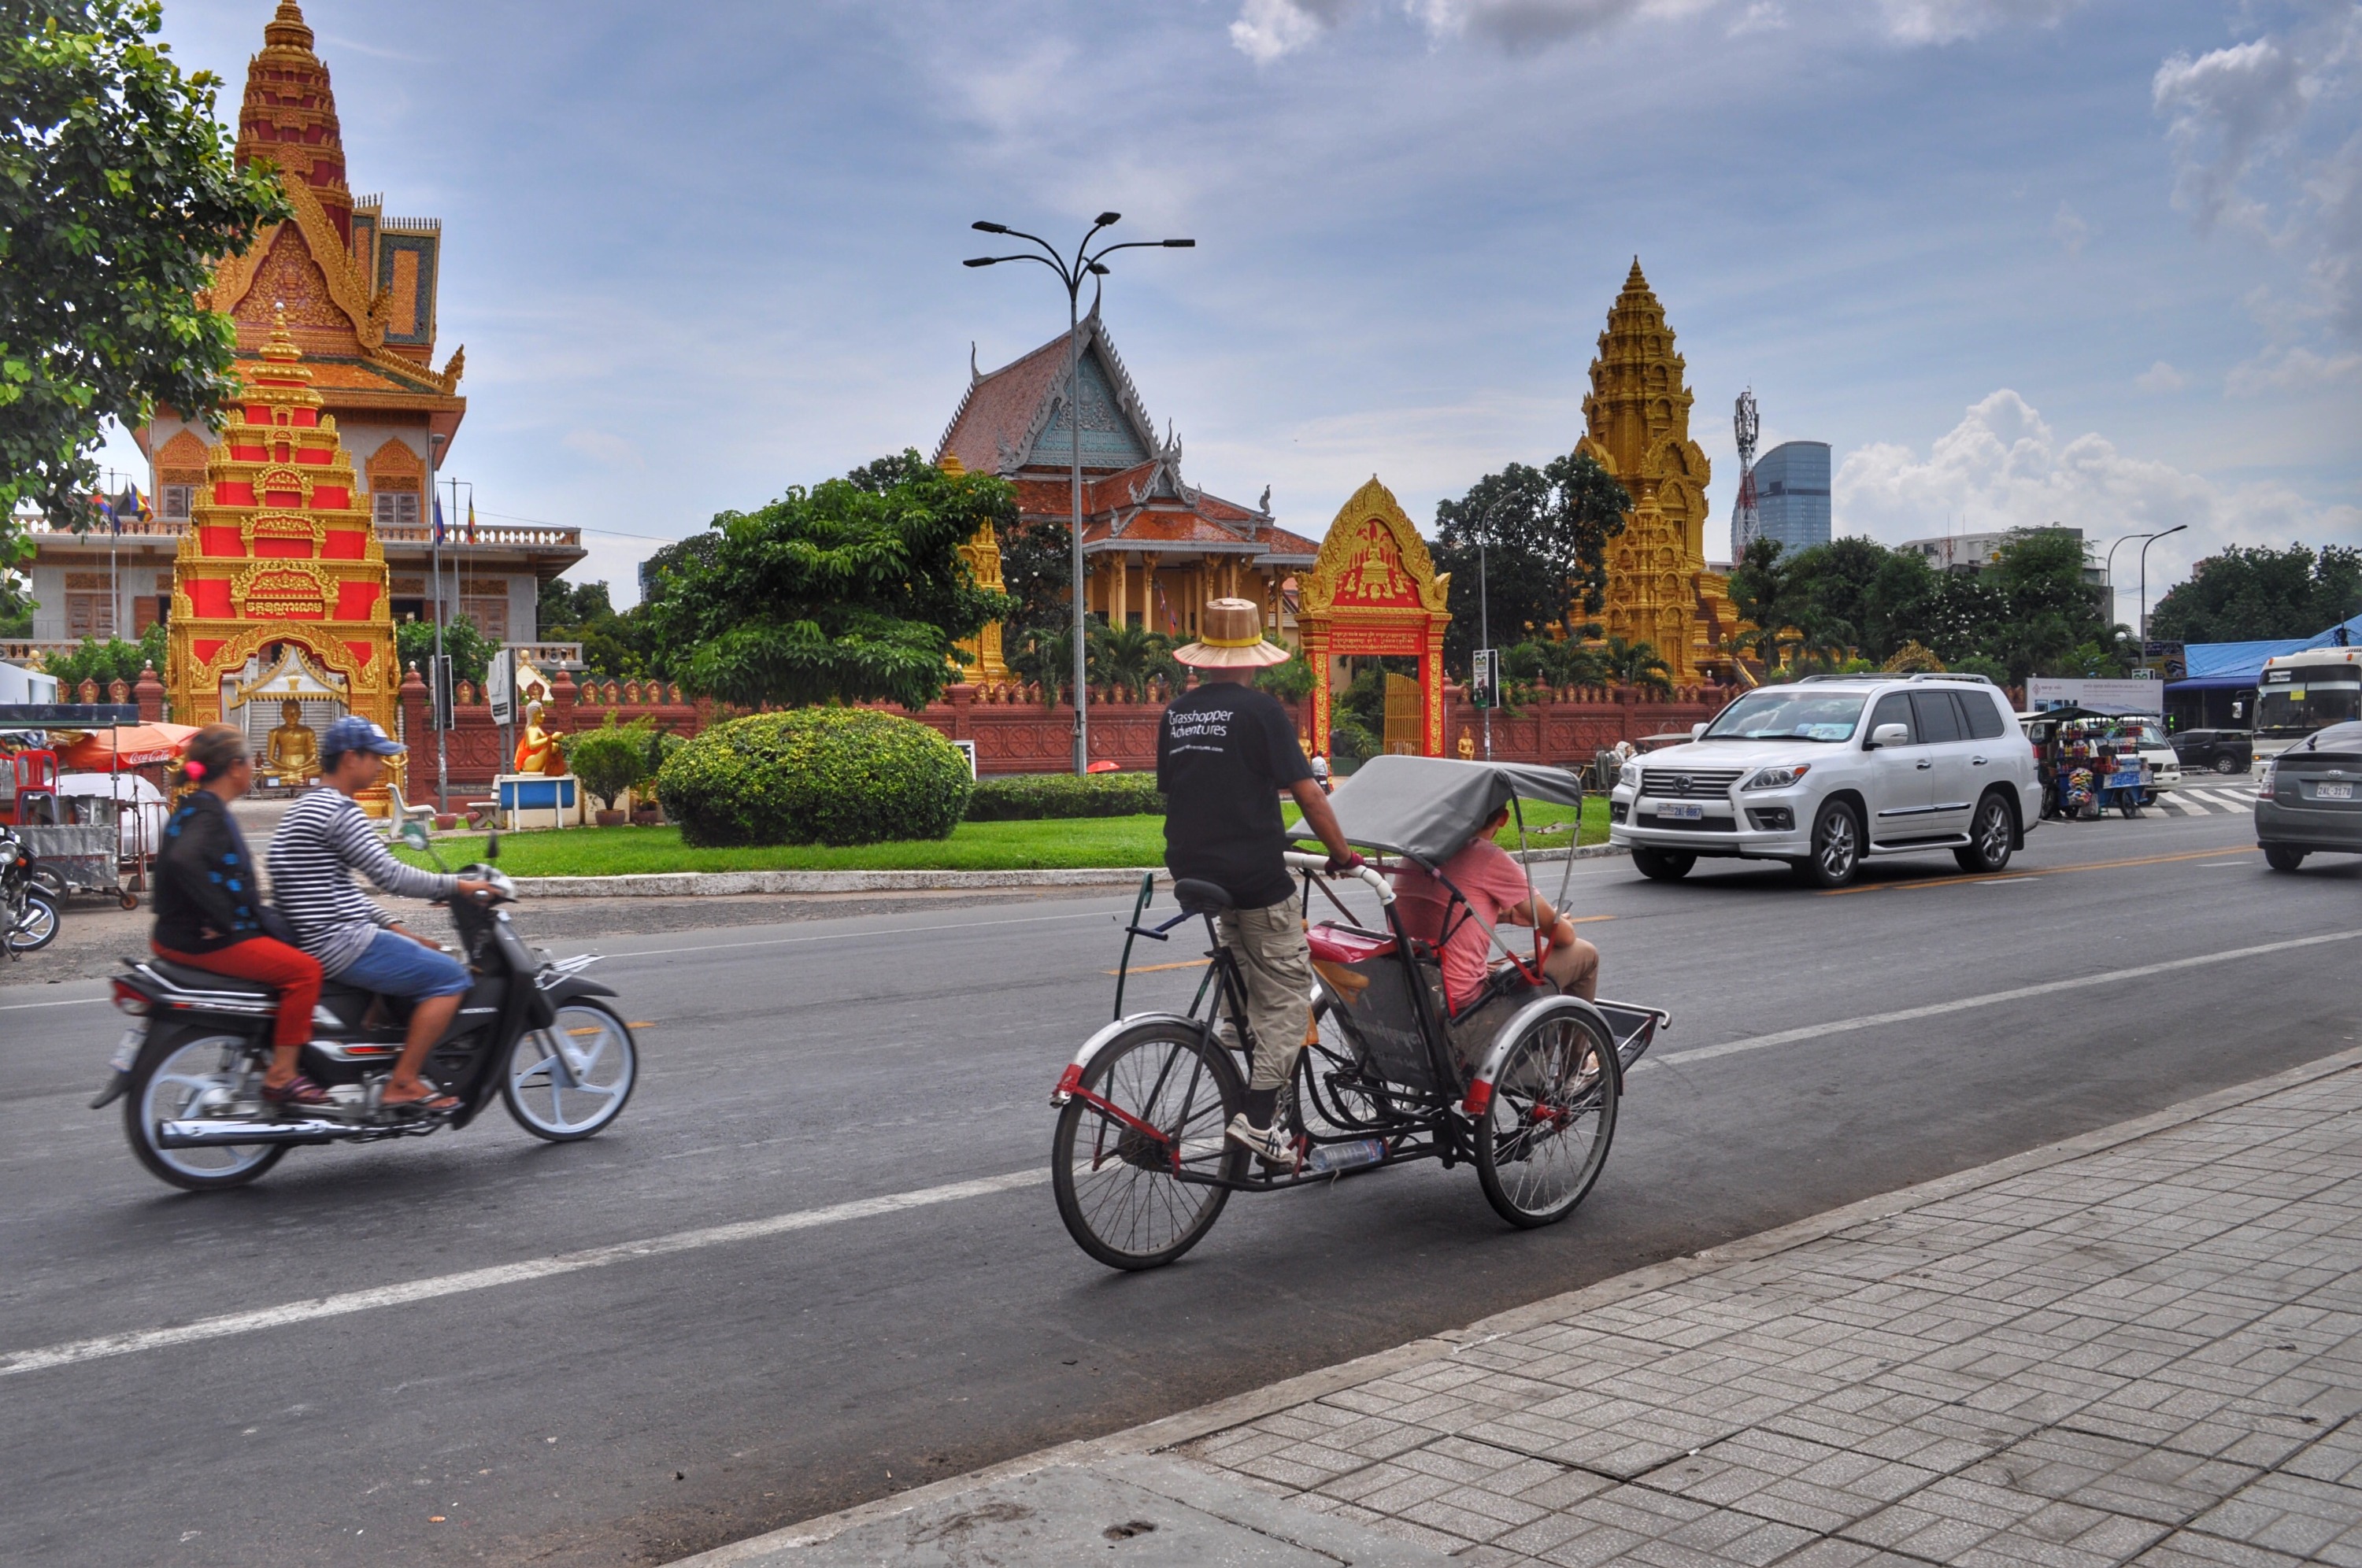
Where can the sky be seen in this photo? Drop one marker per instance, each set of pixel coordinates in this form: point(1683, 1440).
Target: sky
point(2096, 262)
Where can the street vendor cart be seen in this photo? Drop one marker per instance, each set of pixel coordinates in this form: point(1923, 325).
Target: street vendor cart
point(1519, 1081)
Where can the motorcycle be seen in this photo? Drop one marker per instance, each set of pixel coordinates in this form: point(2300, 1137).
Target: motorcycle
point(29, 912)
point(532, 1030)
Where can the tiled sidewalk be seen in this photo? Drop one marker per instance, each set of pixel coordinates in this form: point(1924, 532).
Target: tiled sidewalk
point(2148, 1353)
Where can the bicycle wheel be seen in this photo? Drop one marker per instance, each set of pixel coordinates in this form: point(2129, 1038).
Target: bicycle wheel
point(1341, 1099)
point(1115, 1184)
point(1545, 1136)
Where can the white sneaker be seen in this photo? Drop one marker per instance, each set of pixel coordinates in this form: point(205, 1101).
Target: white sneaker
point(1271, 1145)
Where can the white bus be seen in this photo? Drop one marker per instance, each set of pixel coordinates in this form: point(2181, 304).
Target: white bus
point(2304, 691)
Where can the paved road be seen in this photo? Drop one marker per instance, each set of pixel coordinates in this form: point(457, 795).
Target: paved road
point(646, 1407)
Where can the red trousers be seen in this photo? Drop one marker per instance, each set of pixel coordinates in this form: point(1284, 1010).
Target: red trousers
point(294, 972)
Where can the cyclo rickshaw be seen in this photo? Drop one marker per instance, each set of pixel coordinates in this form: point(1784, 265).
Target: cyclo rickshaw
point(1520, 1082)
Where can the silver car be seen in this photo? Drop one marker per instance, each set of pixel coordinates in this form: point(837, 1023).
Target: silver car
point(2309, 800)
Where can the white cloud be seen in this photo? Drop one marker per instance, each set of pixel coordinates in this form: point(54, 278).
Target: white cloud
point(2290, 369)
point(2003, 467)
point(1267, 30)
point(1949, 21)
point(606, 450)
point(1529, 24)
point(2227, 107)
point(1761, 16)
point(2161, 378)
point(2069, 230)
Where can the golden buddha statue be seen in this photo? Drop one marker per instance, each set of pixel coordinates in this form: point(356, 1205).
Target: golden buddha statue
point(537, 750)
point(292, 754)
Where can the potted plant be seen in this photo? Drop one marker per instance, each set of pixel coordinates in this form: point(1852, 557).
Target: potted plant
point(609, 760)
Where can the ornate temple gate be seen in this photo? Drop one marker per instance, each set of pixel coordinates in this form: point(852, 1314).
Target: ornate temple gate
point(1374, 589)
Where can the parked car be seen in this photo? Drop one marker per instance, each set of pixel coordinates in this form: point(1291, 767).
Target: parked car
point(2215, 751)
point(2308, 798)
point(1824, 771)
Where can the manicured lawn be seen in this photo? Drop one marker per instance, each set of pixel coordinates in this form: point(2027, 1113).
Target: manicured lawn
point(1061, 844)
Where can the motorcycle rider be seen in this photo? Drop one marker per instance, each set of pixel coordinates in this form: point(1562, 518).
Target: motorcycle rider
point(322, 840)
point(1224, 753)
point(210, 915)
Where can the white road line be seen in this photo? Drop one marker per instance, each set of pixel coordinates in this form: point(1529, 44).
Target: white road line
point(854, 935)
point(71, 1002)
point(105, 1345)
point(1990, 999)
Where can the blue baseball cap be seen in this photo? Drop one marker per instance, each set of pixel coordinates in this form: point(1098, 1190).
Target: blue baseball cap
point(353, 733)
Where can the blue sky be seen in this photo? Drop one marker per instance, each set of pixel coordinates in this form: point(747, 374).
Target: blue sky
point(2097, 261)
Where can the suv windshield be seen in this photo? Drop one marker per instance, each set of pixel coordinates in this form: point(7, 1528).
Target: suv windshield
point(1788, 713)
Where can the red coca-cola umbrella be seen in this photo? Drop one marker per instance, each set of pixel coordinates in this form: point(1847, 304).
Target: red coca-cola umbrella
point(129, 746)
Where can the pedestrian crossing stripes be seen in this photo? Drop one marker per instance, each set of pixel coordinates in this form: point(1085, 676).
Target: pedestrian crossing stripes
point(2188, 803)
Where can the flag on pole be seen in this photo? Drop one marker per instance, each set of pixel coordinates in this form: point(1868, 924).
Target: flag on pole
point(105, 508)
point(439, 519)
point(471, 516)
point(139, 506)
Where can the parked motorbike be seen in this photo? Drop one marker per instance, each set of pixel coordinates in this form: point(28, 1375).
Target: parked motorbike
point(532, 1030)
point(29, 912)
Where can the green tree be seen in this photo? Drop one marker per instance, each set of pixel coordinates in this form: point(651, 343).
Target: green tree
point(1767, 589)
point(2260, 594)
point(118, 190)
point(1543, 534)
point(841, 592)
point(613, 644)
point(2048, 609)
point(1550, 661)
point(109, 661)
point(1129, 657)
point(470, 650)
point(1636, 664)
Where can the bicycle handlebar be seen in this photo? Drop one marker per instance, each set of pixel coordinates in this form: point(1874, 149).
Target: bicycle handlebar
point(1369, 875)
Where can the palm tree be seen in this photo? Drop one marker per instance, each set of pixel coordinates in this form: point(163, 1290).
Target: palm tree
point(1043, 655)
point(1129, 657)
point(1550, 662)
point(1636, 664)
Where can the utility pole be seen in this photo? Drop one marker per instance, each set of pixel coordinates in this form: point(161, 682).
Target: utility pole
point(2152, 539)
point(438, 707)
point(1485, 636)
point(1085, 263)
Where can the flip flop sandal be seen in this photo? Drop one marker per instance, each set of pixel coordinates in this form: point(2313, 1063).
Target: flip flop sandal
point(298, 1092)
point(424, 1105)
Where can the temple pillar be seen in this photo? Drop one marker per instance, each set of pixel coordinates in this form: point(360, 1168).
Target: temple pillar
point(149, 694)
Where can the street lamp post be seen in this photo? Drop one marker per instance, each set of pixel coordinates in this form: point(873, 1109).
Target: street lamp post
point(2109, 570)
point(1084, 263)
point(2152, 539)
point(438, 705)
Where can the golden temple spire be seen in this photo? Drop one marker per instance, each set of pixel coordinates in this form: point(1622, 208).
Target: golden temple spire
point(289, 115)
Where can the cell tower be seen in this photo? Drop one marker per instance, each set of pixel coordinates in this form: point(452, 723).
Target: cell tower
point(1746, 514)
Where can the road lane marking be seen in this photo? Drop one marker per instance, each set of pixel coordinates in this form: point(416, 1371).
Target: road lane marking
point(71, 1001)
point(852, 935)
point(1155, 968)
point(1991, 999)
point(2019, 875)
point(233, 1323)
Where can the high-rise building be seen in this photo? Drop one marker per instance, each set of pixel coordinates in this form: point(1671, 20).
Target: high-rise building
point(1792, 494)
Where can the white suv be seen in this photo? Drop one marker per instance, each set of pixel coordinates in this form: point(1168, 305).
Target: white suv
point(1831, 769)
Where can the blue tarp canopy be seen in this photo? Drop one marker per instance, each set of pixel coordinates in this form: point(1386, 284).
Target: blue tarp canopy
point(2224, 667)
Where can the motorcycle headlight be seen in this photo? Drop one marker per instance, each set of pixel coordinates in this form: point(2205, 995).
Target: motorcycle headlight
point(1777, 777)
point(1629, 776)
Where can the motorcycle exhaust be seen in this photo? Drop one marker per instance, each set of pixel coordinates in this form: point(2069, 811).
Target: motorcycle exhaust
point(205, 1135)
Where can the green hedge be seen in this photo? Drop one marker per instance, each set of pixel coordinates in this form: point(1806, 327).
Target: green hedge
point(1033, 797)
point(834, 775)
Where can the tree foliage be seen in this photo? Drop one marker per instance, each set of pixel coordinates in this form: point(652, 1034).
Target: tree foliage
point(117, 192)
point(1543, 534)
point(470, 650)
point(2255, 595)
point(841, 592)
point(108, 661)
point(613, 644)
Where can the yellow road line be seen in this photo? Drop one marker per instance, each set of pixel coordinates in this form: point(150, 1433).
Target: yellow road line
point(1152, 968)
point(2022, 875)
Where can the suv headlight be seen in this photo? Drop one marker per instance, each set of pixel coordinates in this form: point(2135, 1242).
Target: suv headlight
point(1777, 777)
point(1629, 776)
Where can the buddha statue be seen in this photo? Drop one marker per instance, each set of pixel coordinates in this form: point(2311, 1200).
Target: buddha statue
point(292, 754)
point(537, 750)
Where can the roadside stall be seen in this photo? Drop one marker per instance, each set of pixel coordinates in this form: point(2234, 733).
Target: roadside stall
point(2091, 764)
point(109, 815)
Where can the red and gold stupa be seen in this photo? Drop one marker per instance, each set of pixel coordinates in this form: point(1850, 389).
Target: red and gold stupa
point(281, 558)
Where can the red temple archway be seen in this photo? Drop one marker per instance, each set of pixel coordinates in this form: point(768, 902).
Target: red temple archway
point(1374, 589)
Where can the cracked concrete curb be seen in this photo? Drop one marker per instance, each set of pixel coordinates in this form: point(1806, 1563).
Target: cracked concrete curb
point(1186, 1426)
point(678, 884)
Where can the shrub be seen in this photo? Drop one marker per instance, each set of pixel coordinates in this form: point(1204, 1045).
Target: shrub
point(834, 776)
point(612, 758)
point(1034, 797)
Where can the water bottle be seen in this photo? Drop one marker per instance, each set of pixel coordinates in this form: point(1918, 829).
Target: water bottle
point(1327, 1159)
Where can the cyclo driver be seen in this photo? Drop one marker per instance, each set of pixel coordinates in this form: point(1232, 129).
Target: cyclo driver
point(1225, 752)
point(322, 840)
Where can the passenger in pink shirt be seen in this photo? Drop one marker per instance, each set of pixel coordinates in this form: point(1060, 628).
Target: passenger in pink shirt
point(1500, 895)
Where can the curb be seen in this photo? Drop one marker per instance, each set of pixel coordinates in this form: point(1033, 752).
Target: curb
point(1186, 1426)
point(679, 884)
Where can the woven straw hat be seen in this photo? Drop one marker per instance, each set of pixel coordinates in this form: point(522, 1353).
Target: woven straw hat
point(1230, 635)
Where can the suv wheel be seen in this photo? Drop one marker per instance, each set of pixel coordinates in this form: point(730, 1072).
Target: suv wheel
point(1988, 847)
point(2280, 857)
point(1836, 847)
point(1662, 865)
point(2228, 764)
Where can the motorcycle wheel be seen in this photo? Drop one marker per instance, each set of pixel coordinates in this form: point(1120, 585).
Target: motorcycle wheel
point(571, 1080)
point(49, 882)
point(172, 1080)
point(38, 926)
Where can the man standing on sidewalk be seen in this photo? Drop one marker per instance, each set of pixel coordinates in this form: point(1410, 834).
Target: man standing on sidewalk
point(1225, 753)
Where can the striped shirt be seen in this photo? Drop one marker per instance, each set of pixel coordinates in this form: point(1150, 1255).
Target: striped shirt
point(322, 840)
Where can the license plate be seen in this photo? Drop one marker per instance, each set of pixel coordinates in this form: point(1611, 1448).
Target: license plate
point(127, 1050)
point(1682, 813)
point(2333, 791)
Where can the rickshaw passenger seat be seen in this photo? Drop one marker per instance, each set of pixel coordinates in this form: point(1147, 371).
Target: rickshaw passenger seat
point(1200, 898)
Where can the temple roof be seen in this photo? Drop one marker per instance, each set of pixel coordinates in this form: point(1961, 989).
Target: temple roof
point(1015, 418)
point(289, 115)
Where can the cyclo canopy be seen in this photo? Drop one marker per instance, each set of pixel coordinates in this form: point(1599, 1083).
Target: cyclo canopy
point(1427, 808)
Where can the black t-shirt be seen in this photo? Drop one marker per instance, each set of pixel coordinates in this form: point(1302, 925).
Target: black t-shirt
point(1223, 755)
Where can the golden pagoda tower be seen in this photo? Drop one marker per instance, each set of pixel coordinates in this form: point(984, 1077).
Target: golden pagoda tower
point(982, 555)
point(1636, 419)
